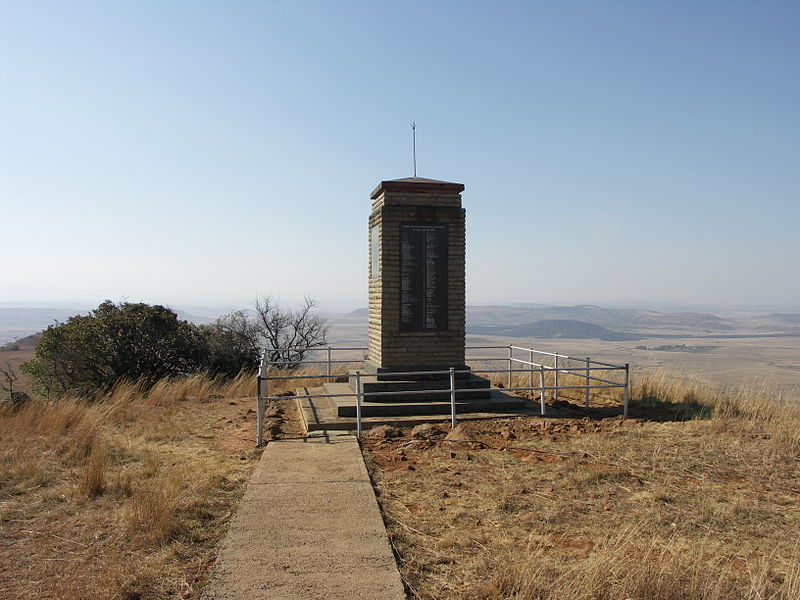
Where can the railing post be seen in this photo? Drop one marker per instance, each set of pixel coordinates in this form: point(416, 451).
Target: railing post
point(329, 364)
point(359, 391)
point(260, 409)
point(452, 398)
point(510, 356)
point(555, 377)
point(627, 391)
point(265, 381)
point(541, 388)
point(530, 378)
point(586, 392)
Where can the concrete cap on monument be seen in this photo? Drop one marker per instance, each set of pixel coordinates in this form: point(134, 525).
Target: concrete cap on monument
point(418, 185)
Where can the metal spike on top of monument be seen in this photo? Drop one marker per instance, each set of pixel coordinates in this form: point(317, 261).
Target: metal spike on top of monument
point(414, 144)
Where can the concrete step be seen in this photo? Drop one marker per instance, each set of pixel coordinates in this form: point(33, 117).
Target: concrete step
point(473, 388)
point(346, 407)
point(319, 411)
point(383, 374)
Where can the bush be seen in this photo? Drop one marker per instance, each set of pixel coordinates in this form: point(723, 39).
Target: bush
point(87, 354)
point(228, 353)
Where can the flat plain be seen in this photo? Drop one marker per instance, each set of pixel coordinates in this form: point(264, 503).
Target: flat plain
point(734, 358)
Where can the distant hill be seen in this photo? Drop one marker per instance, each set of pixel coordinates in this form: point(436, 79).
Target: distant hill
point(553, 329)
point(624, 319)
point(616, 321)
point(781, 319)
point(18, 322)
point(26, 343)
point(34, 318)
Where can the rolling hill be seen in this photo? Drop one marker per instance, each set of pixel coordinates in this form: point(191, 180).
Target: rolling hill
point(553, 329)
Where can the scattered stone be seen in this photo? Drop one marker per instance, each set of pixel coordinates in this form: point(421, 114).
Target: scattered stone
point(564, 404)
point(507, 434)
point(383, 432)
point(424, 431)
point(450, 501)
point(459, 434)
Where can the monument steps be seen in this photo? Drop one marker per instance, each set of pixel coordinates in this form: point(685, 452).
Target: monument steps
point(346, 407)
point(321, 411)
point(472, 388)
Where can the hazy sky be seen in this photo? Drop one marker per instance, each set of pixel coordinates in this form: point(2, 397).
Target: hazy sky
point(205, 152)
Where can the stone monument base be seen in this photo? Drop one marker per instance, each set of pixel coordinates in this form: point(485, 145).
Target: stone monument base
point(370, 369)
point(320, 411)
point(415, 391)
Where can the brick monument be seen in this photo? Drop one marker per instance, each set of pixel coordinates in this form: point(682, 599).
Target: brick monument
point(417, 310)
point(416, 276)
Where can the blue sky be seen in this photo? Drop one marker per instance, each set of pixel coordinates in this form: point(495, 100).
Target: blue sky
point(207, 152)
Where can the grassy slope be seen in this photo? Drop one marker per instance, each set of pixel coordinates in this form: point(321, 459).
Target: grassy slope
point(125, 498)
point(697, 496)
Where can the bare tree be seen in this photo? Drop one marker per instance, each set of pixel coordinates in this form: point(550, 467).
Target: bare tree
point(9, 377)
point(286, 335)
point(243, 327)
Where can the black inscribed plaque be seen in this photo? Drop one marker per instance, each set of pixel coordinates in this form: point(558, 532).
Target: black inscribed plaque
point(423, 278)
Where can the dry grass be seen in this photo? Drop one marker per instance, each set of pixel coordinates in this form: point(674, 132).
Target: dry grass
point(696, 496)
point(127, 497)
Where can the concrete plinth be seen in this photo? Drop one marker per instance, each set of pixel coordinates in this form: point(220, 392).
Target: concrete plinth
point(416, 391)
point(321, 412)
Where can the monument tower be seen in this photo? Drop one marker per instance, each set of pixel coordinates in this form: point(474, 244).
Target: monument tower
point(417, 308)
point(416, 276)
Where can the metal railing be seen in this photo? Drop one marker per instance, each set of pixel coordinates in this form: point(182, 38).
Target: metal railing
point(561, 364)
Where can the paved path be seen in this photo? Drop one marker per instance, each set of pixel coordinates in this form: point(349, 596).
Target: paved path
point(308, 527)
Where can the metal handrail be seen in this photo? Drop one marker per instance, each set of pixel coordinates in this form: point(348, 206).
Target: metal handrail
point(510, 346)
point(583, 372)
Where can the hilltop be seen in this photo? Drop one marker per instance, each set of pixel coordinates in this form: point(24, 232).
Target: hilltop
point(621, 319)
point(555, 328)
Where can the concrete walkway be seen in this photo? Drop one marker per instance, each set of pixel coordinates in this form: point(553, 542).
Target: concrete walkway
point(308, 527)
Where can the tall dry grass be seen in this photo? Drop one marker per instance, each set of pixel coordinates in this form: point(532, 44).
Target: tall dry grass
point(633, 566)
point(137, 482)
point(758, 408)
point(694, 497)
